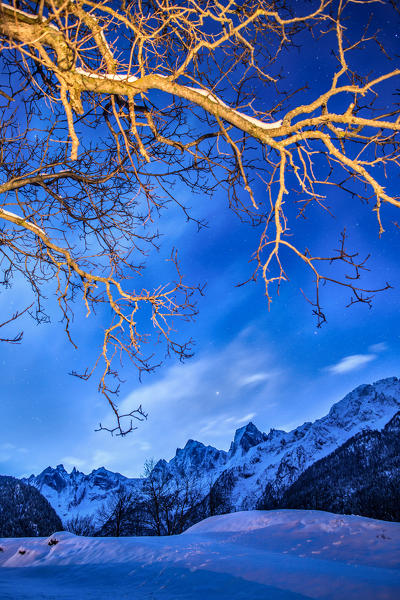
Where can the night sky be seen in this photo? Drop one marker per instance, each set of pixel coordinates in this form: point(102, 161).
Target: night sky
point(275, 368)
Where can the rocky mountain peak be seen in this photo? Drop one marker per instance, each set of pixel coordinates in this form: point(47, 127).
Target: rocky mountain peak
point(196, 458)
point(101, 472)
point(245, 438)
point(53, 478)
point(192, 445)
point(371, 403)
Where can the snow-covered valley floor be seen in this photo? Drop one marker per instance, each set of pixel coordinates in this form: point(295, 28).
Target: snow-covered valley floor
point(256, 555)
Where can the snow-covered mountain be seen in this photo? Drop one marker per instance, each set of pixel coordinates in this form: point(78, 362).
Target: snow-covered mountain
point(75, 493)
point(279, 460)
point(255, 463)
point(361, 477)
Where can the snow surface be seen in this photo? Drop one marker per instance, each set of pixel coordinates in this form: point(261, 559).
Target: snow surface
point(6, 213)
point(264, 555)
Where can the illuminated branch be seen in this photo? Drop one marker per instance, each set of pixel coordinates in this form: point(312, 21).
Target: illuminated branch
point(124, 100)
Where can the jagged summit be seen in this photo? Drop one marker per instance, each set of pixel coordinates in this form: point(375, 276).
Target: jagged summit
point(245, 438)
point(195, 459)
point(101, 470)
point(190, 447)
point(54, 478)
point(60, 470)
point(75, 492)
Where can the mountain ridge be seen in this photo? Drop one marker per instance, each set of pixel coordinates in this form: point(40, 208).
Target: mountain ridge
point(255, 461)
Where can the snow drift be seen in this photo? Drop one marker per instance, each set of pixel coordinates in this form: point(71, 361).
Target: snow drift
point(274, 555)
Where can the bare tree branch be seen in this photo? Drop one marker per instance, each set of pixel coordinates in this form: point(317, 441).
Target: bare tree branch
point(106, 106)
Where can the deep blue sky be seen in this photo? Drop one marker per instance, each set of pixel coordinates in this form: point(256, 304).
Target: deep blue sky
point(274, 368)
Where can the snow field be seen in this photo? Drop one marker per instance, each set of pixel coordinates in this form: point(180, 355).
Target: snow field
point(255, 555)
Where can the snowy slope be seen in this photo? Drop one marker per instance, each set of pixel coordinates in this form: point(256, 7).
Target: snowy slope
point(280, 459)
point(274, 555)
point(360, 477)
point(255, 463)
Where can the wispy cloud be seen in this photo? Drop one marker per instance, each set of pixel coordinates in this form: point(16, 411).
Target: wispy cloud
point(206, 399)
point(380, 347)
point(350, 363)
point(224, 424)
point(73, 461)
point(254, 379)
point(7, 446)
point(8, 451)
point(103, 457)
point(246, 418)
